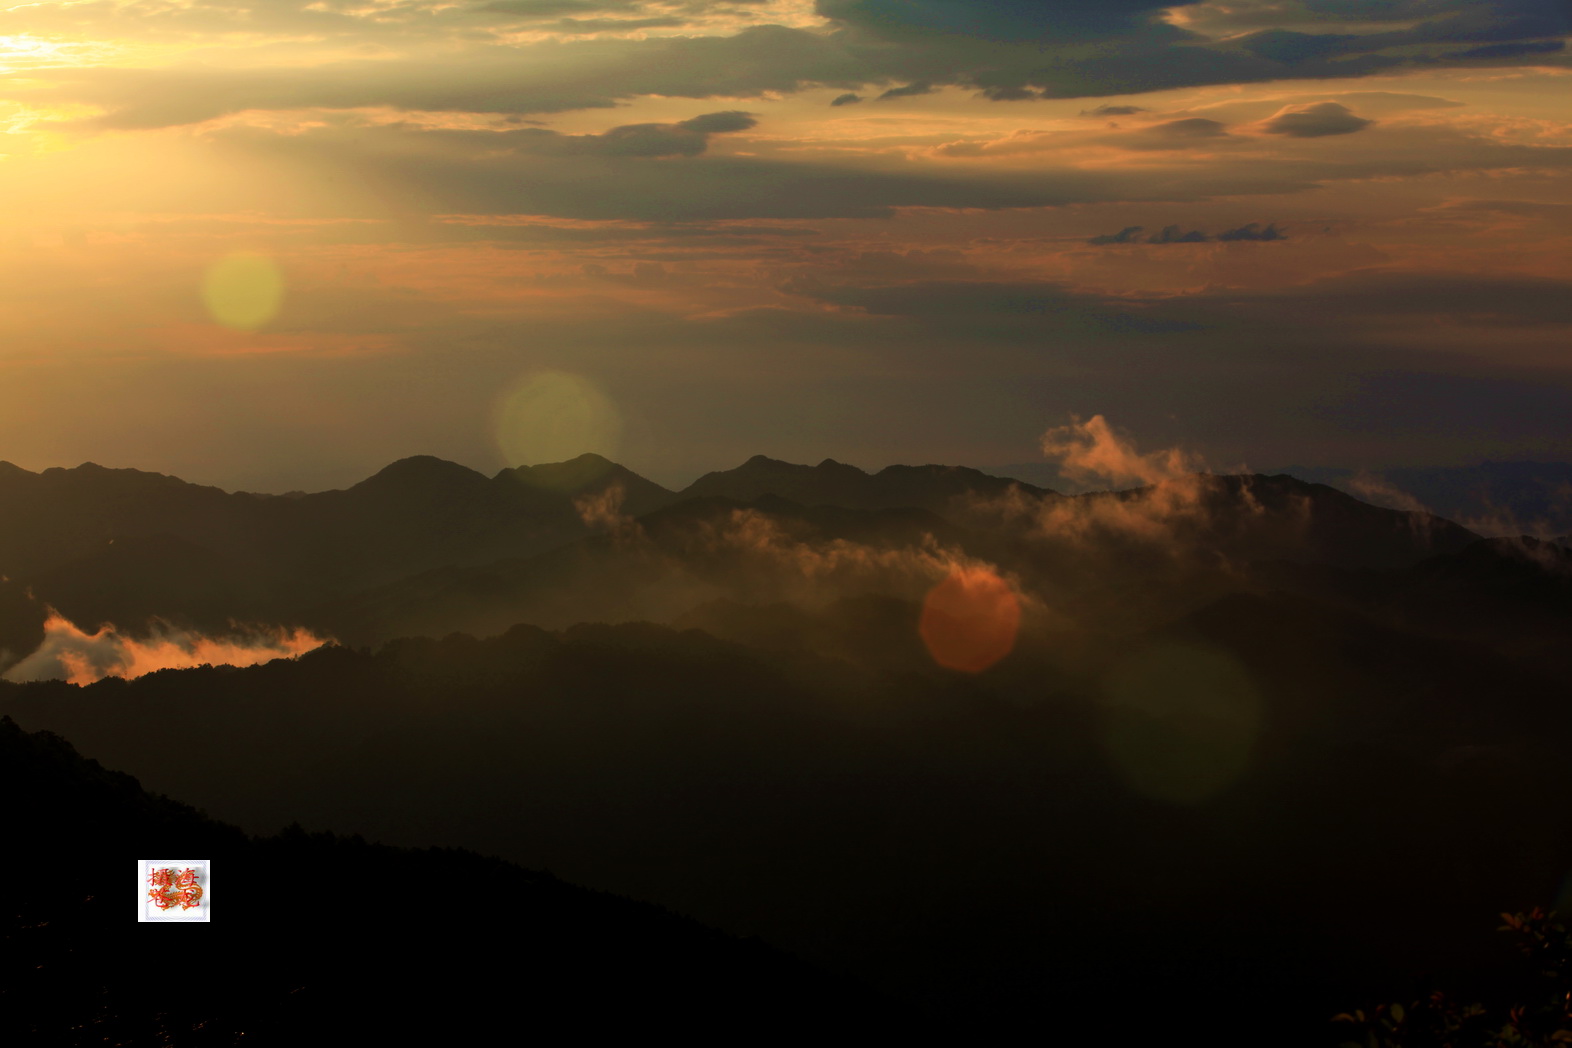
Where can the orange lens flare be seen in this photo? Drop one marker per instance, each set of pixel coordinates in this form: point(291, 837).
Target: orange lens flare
point(970, 620)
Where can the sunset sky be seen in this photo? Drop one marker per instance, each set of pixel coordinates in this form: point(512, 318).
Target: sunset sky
point(271, 245)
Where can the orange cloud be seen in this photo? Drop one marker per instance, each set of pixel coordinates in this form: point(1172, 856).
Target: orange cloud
point(1090, 451)
point(74, 655)
point(602, 511)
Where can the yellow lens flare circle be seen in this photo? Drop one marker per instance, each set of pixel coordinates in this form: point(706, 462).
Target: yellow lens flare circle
point(1179, 722)
point(243, 291)
point(554, 416)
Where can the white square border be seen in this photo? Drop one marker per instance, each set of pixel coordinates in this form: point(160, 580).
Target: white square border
point(201, 915)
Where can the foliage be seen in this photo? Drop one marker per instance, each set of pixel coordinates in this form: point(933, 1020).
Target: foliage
point(1541, 1019)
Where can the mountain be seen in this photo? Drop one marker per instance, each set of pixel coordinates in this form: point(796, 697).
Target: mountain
point(1174, 822)
point(934, 488)
point(660, 566)
point(1514, 595)
point(590, 475)
point(1501, 498)
point(125, 545)
point(428, 546)
point(327, 940)
point(1118, 557)
point(1256, 517)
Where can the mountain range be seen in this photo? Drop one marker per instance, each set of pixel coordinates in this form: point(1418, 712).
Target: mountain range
point(1252, 748)
point(459, 550)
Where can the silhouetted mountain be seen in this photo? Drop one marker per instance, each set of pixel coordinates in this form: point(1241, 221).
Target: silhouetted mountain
point(590, 475)
point(998, 847)
point(325, 940)
point(1509, 498)
point(124, 577)
point(1123, 557)
point(433, 537)
point(125, 544)
point(1254, 740)
point(832, 483)
point(1256, 517)
point(1512, 594)
point(660, 566)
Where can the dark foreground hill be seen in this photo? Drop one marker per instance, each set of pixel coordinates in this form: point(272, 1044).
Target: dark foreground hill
point(325, 940)
point(1247, 820)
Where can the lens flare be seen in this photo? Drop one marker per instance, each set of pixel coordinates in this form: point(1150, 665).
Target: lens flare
point(243, 291)
point(969, 621)
point(553, 416)
point(1179, 722)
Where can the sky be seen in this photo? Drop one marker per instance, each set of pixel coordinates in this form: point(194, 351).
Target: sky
point(273, 245)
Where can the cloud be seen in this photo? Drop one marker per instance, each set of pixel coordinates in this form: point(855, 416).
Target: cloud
point(1172, 134)
point(994, 299)
point(74, 655)
point(1173, 235)
point(1380, 492)
point(1518, 50)
point(685, 138)
point(1510, 23)
point(1108, 110)
point(1289, 47)
point(688, 138)
point(1005, 51)
point(1091, 451)
point(1127, 235)
point(1315, 121)
point(909, 91)
point(1007, 92)
point(1176, 235)
point(534, 171)
point(760, 557)
point(1253, 231)
point(1406, 298)
point(850, 98)
point(602, 511)
point(1193, 127)
point(554, 8)
point(1008, 22)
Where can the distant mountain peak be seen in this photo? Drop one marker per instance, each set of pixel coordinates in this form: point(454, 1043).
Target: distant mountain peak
point(422, 469)
point(95, 475)
point(589, 472)
point(765, 462)
point(833, 483)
